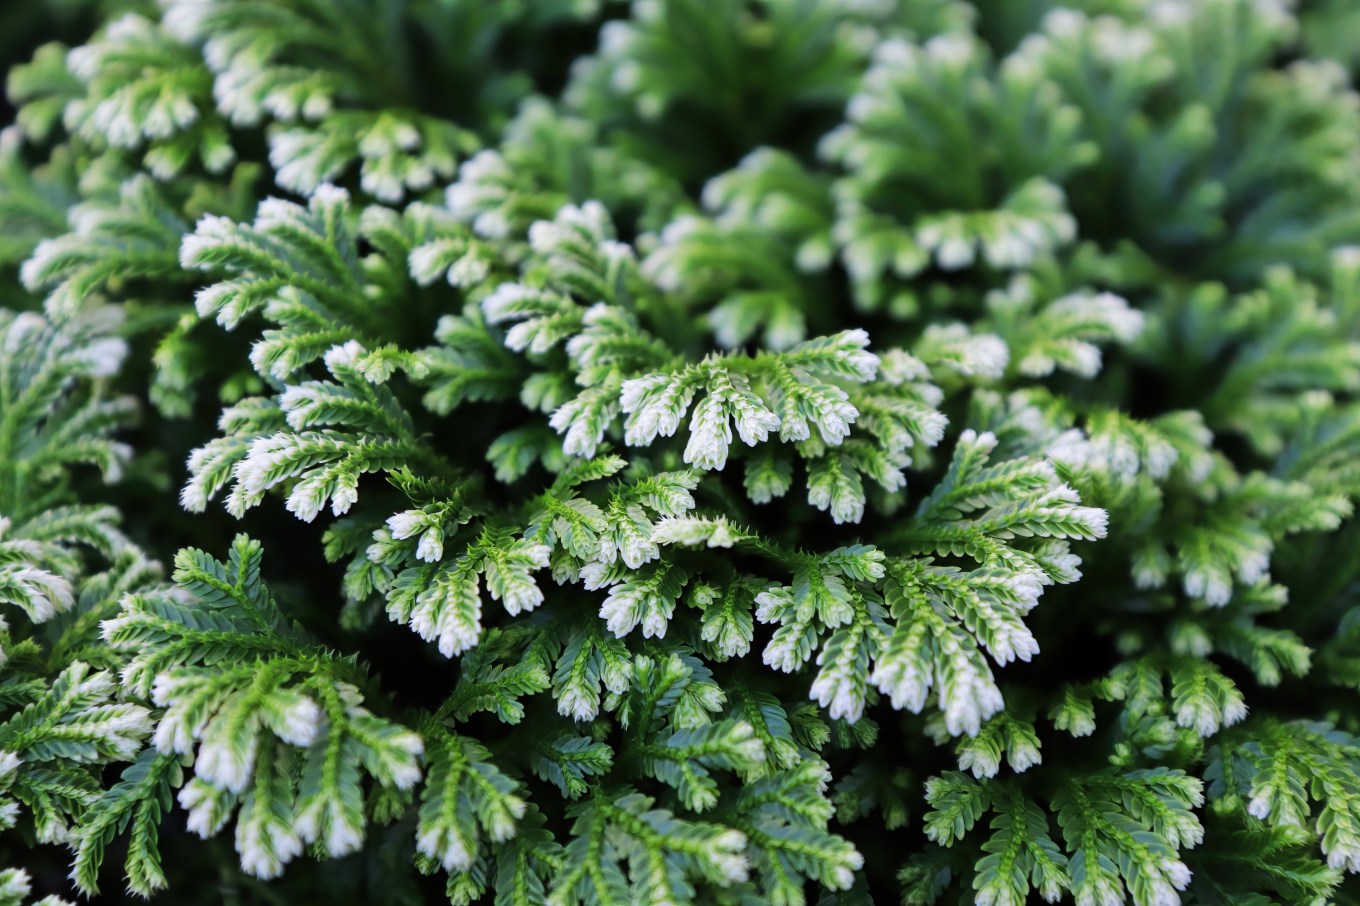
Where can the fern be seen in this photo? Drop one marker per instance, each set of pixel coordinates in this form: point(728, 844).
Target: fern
point(769, 452)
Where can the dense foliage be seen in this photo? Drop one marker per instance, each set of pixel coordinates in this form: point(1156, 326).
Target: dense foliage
point(738, 452)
